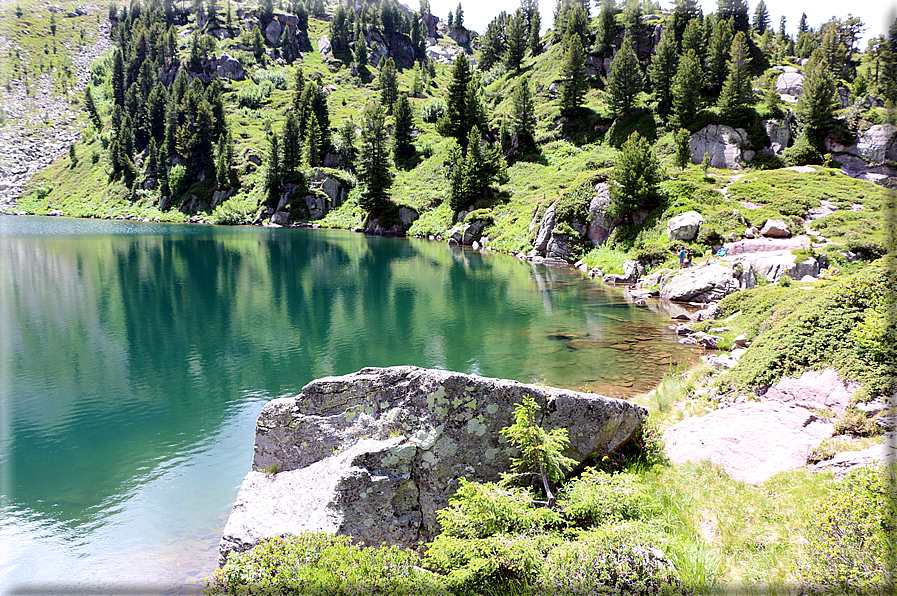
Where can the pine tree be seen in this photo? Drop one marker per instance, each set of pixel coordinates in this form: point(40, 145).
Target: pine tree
point(258, 44)
point(524, 115)
point(607, 27)
point(682, 139)
point(225, 157)
point(91, 108)
point(635, 28)
point(403, 147)
point(635, 178)
point(888, 64)
point(345, 143)
point(374, 159)
point(515, 43)
point(574, 75)
point(118, 79)
point(663, 69)
point(626, 80)
point(735, 11)
point(459, 17)
point(272, 166)
point(266, 12)
point(460, 114)
point(720, 44)
point(687, 85)
point(761, 18)
point(737, 93)
point(816, 105)
point(339, 32)
point(493, 47)
point(361, 56)
point(693, 39)
point(313, 142)
point(291, 146)
point(834, 51)
point(389, 84)
point(684, 11)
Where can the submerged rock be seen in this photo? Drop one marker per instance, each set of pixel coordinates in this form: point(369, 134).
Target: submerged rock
point(375, 454)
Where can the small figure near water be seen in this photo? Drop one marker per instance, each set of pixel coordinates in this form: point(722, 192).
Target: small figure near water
point(684, 257)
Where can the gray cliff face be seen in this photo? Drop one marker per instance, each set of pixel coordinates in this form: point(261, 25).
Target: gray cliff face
point(376, 454)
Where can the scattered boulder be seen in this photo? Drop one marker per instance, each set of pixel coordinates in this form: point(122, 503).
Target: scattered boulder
point(546, 227)
point(468, 232)
point(774, 265)
point(750, 441)
point(377, 453)
point(775, 228)
point(407, 215)
point(460, 35)
point(722, 143)
point(560, 247)
point(632, 270)
point(273, 32)
point(780, 132)
point(230, 68)
point(324, 46)
point(684, 226)
point(875, 145)
point(843, 463)
point(708, 283)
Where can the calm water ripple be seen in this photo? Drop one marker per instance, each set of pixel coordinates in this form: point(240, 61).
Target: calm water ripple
point(134, 359)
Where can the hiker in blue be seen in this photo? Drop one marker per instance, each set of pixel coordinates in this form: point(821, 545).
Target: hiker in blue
point(682, 256)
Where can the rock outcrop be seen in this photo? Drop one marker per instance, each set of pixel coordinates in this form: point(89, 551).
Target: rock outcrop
point(601, 224)
point(723, 144)
point(752, 441)
point(774, 265)
point(790, 84)
point(708, 283)
point(377, 453)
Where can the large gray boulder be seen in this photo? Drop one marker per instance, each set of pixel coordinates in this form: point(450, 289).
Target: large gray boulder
point(273, 32)
point(377, 453)
point(722, 143)
point(708, 283)
point(774, 265)
point(684, 226)
point(775, 228)
point(230, 68)
point(546, 227)
point(875, 145)
point(779, 132)
point(790, 85)
point(601, 224)
point(467, 233)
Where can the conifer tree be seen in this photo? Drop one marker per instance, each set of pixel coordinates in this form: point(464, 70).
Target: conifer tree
point(720, 44)
point(693, 39)
point(607, 28)
point(313, 142)
point(403, 147)
point(91, 108)
point(635, 28)
point(816, 104)
point(635, 178)
point(389, 84)
point(761, 18)
point(459, 17)
point(684, 11)
point(735, 11)
point(687, 85)
point(535, 34)
point(225, 157)
point(663, 69)
point(626, 80)
point(266, 12)
point(374, 159)
point(361, 56)
point(118, 79)
point(291, 146)
point(737, 91)
point(682, 140)
point(258, 44)
point(524, 115)
point(339, 32)
point(574, 75)
point(493, 47)
point(460, 114)
point(888, 64)
point(272, 166)
point(345, 143)
point(515, 42)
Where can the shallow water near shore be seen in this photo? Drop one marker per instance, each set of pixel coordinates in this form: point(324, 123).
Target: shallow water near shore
point(134, 359)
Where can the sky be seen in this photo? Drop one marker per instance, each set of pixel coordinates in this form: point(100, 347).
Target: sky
point(877, 15)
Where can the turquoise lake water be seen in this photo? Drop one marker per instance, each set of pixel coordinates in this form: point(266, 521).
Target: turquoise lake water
point(134, 359)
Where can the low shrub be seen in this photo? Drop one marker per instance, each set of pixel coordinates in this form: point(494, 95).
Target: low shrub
point(319, 564)
point(433, 110)
point(236, 211)
point(597, 498)
point(849, 546)
point(855, 422)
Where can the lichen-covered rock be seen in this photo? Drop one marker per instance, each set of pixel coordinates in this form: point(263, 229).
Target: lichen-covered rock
point(601, 224)
point(779, 132)
point(790, 85)
point(774, 265)
point(722, 143)
point(684, 226)
point(546, 227)
point(375, 454)
point(230, 68)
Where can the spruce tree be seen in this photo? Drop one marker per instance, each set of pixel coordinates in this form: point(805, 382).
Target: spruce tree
point(459, 17)
point(118, 79)
point(339, 33)
point(626, 80)
point(91, 108)
point(663, 69)
point(693, 39)
point(888, 64)
point(493, 46)
point(574, 75)
point(607, 27)
point(515, 42)
point(535, 35)
point(687, 85)
point(272, 166)
point(361, 56)
point(345, 143)
point(761, 18)
point(291, 146)
point(816, 104)
point(224, 159)
point(389, 84)
point(682, 140)
point(460, 114)
point(524, 115)
point(720, 44)
point(737, 93)
point(635, 178)
point(374, 159)
point(313, 142)
point(403, 147)
point(735, 11)
point(684, 11)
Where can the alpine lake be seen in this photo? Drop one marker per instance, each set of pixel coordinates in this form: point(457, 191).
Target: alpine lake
point(135, 358)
